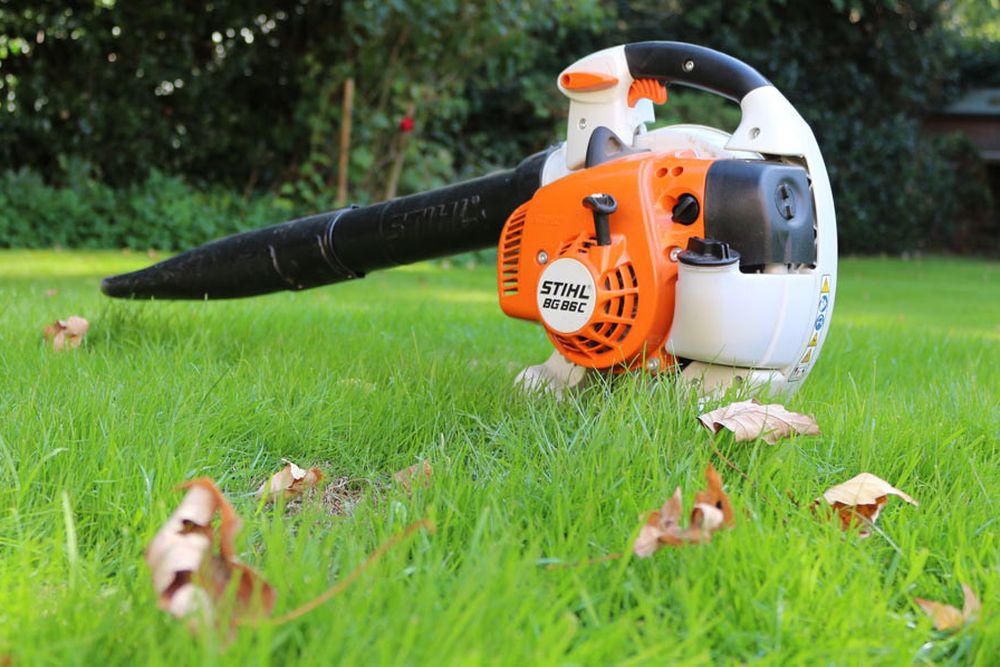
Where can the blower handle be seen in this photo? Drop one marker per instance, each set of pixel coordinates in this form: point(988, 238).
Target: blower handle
point(695, 66)
point(610, 91)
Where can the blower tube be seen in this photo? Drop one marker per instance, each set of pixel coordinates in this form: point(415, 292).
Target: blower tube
point(340, 245)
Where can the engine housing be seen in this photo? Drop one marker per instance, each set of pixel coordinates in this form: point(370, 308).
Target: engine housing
point(604, 306)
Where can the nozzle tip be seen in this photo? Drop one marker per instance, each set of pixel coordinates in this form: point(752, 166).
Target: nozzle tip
point(112, 286)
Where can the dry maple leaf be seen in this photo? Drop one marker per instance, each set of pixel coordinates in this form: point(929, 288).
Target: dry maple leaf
point(750, 420)
point(947, 618)
point(66, 334)
point(193, 563)
point(662, 527)
point(408, 477)
point(715, 497)
point(290, 481)
point(711, 512)
point(860, 500)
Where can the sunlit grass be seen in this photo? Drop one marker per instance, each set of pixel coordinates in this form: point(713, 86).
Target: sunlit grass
point(370, 377)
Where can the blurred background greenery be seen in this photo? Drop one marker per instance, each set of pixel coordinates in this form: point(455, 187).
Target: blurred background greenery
point(165, 124)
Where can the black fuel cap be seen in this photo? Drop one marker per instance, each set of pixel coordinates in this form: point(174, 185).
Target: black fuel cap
point(708, 252)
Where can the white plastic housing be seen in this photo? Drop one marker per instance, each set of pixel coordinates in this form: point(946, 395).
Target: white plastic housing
point(747, 320)
point(752, 329)
point(606, 107)
point(774, 320)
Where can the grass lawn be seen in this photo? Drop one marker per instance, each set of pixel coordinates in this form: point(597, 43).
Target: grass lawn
point(368, 378)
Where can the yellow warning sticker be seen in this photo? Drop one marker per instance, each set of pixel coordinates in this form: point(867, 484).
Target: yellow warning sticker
point(814, 340)
point(826, 285)
point(807, 356)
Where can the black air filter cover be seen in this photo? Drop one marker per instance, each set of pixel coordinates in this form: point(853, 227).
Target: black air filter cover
point(762, 209)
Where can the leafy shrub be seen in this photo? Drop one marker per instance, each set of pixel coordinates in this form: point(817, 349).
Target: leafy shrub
point(161, 212)
point(247, 96)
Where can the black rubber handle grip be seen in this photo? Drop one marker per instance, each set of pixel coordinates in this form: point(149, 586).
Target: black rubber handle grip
point(695, 66)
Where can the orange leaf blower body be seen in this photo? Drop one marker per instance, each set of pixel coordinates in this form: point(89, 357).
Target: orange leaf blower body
point(603, 306)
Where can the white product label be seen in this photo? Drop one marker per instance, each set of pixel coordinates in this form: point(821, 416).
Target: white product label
point(566, 295)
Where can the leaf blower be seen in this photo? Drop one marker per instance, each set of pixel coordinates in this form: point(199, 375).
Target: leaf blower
point(682, 249)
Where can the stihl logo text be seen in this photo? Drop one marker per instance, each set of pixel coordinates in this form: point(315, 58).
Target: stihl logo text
point(448, 218)
point(571, 290)
point(566, 295)
point(574, 296)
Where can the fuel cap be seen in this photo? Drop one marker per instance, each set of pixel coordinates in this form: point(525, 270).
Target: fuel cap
point(708, 252)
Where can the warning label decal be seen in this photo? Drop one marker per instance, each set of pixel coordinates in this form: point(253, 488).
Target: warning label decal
point(822, 317)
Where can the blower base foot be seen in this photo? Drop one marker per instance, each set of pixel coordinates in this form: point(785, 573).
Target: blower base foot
point(556, 376)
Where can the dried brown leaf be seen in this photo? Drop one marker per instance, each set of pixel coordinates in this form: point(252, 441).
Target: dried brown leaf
point(661, 527)
point(863, 489)
point(971, 606)
point(707, 518)
point(413, 475)
point(289, 482)
point(714, 496)
point(749, 420)
point(712, 511)
point(193, 562)
point(66, 334)
point(860, 500)
point(947, 618)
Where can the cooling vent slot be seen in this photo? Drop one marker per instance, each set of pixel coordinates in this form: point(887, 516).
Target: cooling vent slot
point(578, 245)
point(510, 251)
point(617, 308)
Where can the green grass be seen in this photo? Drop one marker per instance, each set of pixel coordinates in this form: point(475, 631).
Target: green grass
point(417, 363)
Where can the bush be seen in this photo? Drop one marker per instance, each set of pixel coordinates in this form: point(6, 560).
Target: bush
point(247, 96)
point(161, 212)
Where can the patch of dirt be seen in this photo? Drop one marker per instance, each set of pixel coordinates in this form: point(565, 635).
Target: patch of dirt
point(338, 496)
point(342, 494)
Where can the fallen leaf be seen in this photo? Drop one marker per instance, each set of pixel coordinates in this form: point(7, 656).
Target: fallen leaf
point(707, 518)
point(290, 481)
point(194, 563)
point(66, 334)
point(712, 511)
point(408, 477)
point(715, 497)
point(662, 527)
point(863, 489)
point(971, 606)
point(860, 500)
point(947, 618)
point(750, 420)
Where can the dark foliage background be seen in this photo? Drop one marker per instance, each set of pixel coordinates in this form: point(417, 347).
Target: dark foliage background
point(166, 124)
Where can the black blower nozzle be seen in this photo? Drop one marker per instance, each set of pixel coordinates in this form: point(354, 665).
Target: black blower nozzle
point(340, 245)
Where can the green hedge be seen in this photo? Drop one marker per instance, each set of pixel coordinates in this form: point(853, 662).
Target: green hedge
point(161, 212)
point(246, 98)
